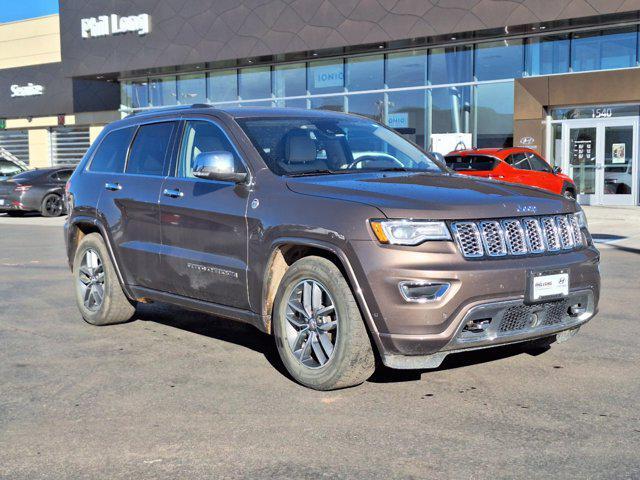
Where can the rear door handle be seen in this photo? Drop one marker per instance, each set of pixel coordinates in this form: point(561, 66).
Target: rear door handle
point(113, 186)
point(173, 193)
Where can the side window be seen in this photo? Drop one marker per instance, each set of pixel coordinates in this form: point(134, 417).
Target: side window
point(112, 151)
point(149, 149)
point(519, 161)
point(201, 136)
point(62, 175)
point(538, 164)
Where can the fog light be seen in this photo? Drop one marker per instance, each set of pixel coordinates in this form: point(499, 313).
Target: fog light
point(422, 292)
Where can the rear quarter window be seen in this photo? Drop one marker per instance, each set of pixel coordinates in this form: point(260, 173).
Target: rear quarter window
point(474, 163)
point(111, 154)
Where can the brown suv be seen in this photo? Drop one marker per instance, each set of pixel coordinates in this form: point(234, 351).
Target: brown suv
point(329, 231)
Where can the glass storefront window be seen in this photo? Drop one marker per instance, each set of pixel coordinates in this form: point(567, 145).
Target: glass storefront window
point(406, 69)
point(222, 86)
point(365, 73)
point(451, 110)
point(407, 113)
point(604, 50)
point(335, 104)
point(494, 115)
point(292, 103)
point(163, 91)
point(547, 55)
point(450, 65)
point(497, 60)
point(326, 76)
point(369, 104)
point(290, 80)
point(135, 94)
point(192, 89)
point(255, 83)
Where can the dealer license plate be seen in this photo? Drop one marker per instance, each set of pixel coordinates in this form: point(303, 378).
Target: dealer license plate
point(1, 201)
point(548, 285)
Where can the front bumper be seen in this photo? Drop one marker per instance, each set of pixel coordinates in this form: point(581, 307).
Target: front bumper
point(506, 322)
point(414, 335)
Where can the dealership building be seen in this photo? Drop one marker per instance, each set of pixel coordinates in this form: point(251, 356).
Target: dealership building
point(560, 76)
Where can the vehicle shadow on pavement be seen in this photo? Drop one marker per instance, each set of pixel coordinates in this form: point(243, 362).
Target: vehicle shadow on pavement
point(456, 360)
point(250, 337)
point(213, 327)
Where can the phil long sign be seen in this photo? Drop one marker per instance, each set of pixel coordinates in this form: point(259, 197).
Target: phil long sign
point(106, 25)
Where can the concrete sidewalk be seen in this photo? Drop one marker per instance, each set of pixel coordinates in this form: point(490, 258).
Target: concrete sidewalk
point(613, 227)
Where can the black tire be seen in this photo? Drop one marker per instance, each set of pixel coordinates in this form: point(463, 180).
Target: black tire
point(352, 360)
point(52, 205)
point(115, 306)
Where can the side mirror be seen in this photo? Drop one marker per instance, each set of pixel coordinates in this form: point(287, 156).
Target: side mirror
point(217, 165)
point(557, 170)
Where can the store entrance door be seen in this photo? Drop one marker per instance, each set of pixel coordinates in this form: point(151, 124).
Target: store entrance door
point(601, 155)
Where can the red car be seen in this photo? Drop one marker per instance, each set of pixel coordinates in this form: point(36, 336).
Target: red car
point(515, 165)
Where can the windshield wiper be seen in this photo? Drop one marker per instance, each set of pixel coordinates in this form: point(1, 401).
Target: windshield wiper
point(311, 172)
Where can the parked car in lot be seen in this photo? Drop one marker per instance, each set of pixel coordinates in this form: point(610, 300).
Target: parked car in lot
point(265, 216)
point(40, 190)
point(10, 166)
point(516, 165)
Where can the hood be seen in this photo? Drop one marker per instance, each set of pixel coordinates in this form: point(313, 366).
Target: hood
point(433, 196)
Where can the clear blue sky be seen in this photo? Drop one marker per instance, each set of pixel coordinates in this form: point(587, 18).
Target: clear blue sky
point(12, 10)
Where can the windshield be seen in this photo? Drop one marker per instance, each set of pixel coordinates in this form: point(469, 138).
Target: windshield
point(325, 145)
point(474, 163)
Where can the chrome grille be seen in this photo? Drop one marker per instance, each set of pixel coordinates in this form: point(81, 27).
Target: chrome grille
point(533, 234)
point(517, 236)
point(468, 238)
point(575, 230)
point(551, 236)
point(564, 231)
point(493, 238)
point(514, 235)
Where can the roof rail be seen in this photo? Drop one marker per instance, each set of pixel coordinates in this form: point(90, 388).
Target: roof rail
point(168, 108)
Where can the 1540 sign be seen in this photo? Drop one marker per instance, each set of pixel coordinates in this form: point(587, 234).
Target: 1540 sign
point(106, 25)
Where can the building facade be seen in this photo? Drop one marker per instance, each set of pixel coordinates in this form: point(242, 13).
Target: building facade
point(560, 76)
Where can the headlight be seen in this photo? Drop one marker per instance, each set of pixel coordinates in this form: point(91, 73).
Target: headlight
point(582, 219)
point(409, 232)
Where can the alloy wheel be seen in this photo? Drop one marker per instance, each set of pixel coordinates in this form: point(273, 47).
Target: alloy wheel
point(53, 205)
point(312, 324)
point(91, 280)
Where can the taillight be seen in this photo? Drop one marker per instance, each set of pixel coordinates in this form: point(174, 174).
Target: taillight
point(21, 188)
point(67, 186)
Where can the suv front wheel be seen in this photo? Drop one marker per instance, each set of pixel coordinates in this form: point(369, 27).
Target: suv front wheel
point(98, 292)
point(319, 331)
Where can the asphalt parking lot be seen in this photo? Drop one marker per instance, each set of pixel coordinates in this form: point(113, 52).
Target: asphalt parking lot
point(177, 394)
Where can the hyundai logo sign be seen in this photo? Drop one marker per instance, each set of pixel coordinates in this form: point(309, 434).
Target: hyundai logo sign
point(527, 141)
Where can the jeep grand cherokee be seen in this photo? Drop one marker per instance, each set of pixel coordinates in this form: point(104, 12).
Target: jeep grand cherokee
point(329, 231)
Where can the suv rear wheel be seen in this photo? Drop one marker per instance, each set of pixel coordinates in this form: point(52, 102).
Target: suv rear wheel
point(319, 331)
point(98, 292)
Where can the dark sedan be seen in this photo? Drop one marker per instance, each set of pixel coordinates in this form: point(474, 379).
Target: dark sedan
point(40, 190)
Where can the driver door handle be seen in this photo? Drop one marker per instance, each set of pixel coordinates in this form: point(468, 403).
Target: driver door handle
point(113, 186)
point(172, 192)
